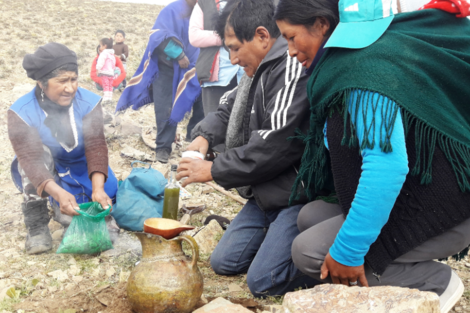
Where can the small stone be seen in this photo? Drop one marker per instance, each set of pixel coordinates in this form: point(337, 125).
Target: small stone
point(128, 129)
point(57, 235)
point(274, 309)
point(458, 309)
point(342, 299)
point(110, 272)
point(234, 288)
point(467, 265)
point(208, 238)
point(220, 305)
point(59, 275)
point(52, 289)
point(72, 261)
point(74, 270)
point(77, 279)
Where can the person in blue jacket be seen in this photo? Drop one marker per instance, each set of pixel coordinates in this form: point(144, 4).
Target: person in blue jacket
point(390, 124)
point(56, 131)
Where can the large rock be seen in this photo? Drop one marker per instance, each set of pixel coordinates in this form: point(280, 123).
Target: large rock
point(339, 298)
point(220, 305)
point(208, 238)
point(136, 154)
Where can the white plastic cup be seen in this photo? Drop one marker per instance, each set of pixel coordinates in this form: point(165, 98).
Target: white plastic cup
point(193, 155)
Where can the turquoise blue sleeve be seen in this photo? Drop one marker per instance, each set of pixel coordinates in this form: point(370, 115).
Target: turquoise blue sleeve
point(383, 176)
point(173, 50)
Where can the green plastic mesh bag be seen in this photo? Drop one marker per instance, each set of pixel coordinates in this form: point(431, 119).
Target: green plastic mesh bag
point(87, 233)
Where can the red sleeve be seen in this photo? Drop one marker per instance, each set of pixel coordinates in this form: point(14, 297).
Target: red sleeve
point(93, 74)
point(96, 150)
point(27, 145)
point(122, 76)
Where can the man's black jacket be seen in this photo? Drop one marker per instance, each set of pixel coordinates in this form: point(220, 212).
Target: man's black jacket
point(277, 106)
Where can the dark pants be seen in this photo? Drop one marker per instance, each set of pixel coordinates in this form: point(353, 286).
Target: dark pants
point(163, 103)
point(259, 243)
point(319, 223)
point(211, 95)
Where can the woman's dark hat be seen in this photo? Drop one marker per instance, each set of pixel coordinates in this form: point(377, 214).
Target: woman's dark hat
point(48, 58)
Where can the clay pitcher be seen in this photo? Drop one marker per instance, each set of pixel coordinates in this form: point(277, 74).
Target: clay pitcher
point(165, 280)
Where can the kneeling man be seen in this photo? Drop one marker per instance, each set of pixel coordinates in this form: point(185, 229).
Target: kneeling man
point(255, 121)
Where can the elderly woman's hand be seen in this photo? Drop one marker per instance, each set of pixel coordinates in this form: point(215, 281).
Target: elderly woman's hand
point(98, 194)
point(67, 202)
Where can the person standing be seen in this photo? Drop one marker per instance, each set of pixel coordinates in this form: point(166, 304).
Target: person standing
point(121, 50)
point(215, 72)
point(167, 77)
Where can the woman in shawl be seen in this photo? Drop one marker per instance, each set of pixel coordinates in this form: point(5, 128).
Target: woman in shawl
point(56, 131)
point(390, 123)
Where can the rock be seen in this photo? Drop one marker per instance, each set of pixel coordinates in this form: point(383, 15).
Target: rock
point(124, 276)
point(59, 275)
point(77, 279)
point(274, 309)
point(53, 226)
point(57, 235)
point(339, 298)
point(128, 129)
point(234, 288)
point(74, 270)
point(208, 238)
point(220, 305)
point(110, 272)
point(109, 129)
point(136, 154)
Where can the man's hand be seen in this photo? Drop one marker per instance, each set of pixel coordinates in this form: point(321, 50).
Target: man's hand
point(184, 62)
point(199, 144)
point(67, 202)
point(196, 171)
point(342, 274)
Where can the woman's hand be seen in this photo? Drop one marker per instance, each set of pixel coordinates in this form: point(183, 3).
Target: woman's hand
point(102, 198)
point(199, 144)
point(342, 274)
point(67, 202)
point(98, 194)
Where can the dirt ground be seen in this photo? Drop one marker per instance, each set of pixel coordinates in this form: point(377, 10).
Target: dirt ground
point(62, 283)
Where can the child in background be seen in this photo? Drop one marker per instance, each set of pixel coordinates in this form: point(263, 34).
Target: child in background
point(105, 67)
point(121, 50)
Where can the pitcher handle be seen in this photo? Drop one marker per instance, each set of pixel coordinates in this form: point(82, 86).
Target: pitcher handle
point(194, 247)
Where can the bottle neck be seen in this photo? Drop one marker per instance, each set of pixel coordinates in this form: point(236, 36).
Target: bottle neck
point(172, 178)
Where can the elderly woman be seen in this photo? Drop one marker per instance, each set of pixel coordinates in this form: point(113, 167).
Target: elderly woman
point(389, 103)
point(57, 133)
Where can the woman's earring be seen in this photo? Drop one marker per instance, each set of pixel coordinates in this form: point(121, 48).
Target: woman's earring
point(42, 95)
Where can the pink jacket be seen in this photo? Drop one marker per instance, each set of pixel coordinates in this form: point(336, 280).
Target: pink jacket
point(106, 63)
point(200, 38)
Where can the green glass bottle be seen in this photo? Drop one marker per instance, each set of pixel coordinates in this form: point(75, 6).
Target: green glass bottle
point(172, 196)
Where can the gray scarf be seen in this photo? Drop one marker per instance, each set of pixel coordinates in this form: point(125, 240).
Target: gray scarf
point(234, 137)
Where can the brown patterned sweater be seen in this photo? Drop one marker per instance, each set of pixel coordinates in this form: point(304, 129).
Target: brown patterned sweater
point(28, 148)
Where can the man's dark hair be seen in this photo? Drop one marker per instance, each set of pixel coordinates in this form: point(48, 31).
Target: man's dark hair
point(306, 12)
point(245, 16)
point(120, 32)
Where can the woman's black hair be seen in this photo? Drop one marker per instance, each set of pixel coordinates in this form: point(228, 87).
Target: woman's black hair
point(306, 12)
point(69, 67)
point(108, 42)
point(245, 16)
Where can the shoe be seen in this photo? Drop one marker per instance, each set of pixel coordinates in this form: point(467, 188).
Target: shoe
point(162, 155)
point(452, 293)
point(36, 218)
